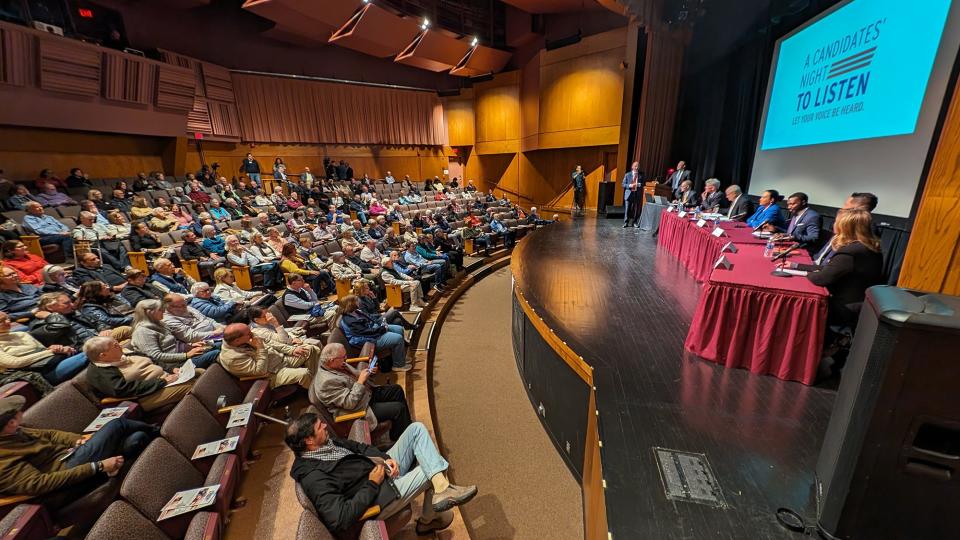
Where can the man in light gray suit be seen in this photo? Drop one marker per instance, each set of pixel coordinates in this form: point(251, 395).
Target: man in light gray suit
point(632, 193)
point(678, 177)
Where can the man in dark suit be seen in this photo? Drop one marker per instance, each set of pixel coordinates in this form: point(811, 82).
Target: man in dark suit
point(804, 224)
point(712, 198)
point(678, 177)
point(632, 193)
point(741, 207)
point(686, 196)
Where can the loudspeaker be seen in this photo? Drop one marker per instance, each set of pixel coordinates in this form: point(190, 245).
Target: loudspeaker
point(889, 466)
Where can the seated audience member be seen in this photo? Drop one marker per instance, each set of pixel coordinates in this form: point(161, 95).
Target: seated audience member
point(266, 326)
point(183, 218)
point(361, 327)
point(60, 321)
point(423, 266)
point(56, 464)
point(245, 355)
point(48, 228)
point(741, 206)
point(227, 290)
point(161, 222)
point(238, 255)
point(804, 224)
point(191, 250)
point(686, 196)
point(391, 275)
point(106, 379)
point(213, 242)
point(186, 323)
point(298, 298)
point(427, 250)
point(370, 254)
point(292, 263)
point(137, 289)
point(356, 205)
point(851, 263)
point(371, 304)
point(209, 305)
point(21, 198)
point(21, 351)
point(275, 240)
point(343, 389)
point(153, 339)
point(218, 213)
point(161, 181)
point(768, 212)
point(143, 183)
point(342, 268)
point(91, 269)
point(262, 250)
point(343, 478)
point(497, 227)
point(145, 241)
point(293, 201)
point(100, 217)
point(28, 266)
point(55, 280)
point(197, 194)
point(121, 201)
point(95, 303)
point(451, 246)
point(77, 179)
point(17, 300)
point(50, 197)
point(141, 209)
point(170, 278)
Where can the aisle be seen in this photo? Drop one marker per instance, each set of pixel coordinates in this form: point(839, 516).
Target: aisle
point(489, 430)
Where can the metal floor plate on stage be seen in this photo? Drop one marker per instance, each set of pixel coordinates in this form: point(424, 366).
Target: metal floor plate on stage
point(626, 307)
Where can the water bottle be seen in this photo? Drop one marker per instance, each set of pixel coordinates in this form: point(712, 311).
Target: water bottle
point(768, 250)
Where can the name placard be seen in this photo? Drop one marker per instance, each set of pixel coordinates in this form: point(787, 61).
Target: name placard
point(670, 209)
point(723, 262)
point(701, 223)
point(728, 247)
point(718, 232)
point(681, 214)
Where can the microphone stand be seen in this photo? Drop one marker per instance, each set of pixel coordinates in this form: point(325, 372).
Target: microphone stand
point(779, 271)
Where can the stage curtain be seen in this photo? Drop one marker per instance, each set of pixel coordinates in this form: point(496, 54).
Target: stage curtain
point(658, 107)
point(283, 110)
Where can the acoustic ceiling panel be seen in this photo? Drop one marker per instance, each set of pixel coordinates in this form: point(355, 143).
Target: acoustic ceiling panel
point(291, 24)
point(481, 60)
point(553, 6)
point(377, 32)
point(433, 51)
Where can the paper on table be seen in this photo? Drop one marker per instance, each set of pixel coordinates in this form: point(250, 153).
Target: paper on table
point(793, 272)
point(215, 447)
point(240, 415)
point(104, 418)
point(188, 501)
point(187, 372)
point(299, 317)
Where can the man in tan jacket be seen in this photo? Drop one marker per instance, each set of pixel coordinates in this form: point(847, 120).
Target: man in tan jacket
point(245, 355)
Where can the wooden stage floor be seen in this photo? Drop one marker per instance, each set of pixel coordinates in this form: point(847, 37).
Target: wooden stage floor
point(626, 307)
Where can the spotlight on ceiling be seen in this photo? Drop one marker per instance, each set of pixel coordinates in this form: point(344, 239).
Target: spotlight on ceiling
point(474, 42)
point(425, 24)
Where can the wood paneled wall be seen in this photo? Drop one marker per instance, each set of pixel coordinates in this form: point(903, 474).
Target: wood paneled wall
point(932, 261)
point(460, 118)
point(418, 162)
point(497, 108)
point(25, 151)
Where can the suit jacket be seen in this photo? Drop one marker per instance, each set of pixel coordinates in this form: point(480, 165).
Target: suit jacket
point(677, 178)
point(805, 228)
point(689, 199)
point(712, 201)
point(770, 215)
point(852, 269)
point(628, 179)
point(743, 206)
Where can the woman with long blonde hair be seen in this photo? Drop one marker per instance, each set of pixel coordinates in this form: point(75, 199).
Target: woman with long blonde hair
point(855, 264)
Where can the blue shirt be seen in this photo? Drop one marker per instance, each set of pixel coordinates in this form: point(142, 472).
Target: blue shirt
point(44, 225)
point(769, 214)
point(215, 245)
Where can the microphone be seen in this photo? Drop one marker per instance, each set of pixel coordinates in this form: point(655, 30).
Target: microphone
point(789, 251)
point(738, 216)
point(760, 226)
point(779, 272)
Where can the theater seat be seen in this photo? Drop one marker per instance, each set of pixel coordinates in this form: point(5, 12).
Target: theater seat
point(26, 522)
point(190, 424)
point(161, 471)
point(216, 381)
point(65, 409)
point(121, 521)
point(22, 389)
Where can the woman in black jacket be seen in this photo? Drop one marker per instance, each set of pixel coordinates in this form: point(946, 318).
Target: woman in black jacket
point(853, 264)
point(361, 327)
point(370, 305)
point(137, 288)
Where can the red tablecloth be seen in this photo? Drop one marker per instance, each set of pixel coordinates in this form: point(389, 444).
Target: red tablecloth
point(695, 247)
point(747, 318)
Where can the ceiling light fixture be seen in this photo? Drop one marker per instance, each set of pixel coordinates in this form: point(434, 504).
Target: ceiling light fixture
point(474, 42)
point(425, 24)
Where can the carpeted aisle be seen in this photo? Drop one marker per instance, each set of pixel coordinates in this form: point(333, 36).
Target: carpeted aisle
point(489, 429)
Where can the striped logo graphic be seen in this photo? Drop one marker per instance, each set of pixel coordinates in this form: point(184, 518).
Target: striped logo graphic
point(853, 62)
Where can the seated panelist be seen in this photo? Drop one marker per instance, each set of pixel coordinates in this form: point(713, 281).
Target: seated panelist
point(740, 204)
point(804, 224)
point(768, 213)
point(686, 196)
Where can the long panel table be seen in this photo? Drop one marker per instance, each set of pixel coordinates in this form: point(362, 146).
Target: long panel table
point(746, 317)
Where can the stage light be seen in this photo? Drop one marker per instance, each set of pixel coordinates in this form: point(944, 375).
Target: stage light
point(425, 24)
point(474, 42)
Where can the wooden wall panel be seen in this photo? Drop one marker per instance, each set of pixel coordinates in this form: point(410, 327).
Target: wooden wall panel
point(17, 57)
point(69, 69)
point(498, 112)
point(127, 78)
point(461, 119)
point(217, 82)
point(198, 120)
point(418, 162)
point(530, 102)
point(932, 261)
point(175, 89)
point(224, 120)
point(24, 151)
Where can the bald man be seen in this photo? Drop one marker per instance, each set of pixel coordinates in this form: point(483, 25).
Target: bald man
point(245, 355)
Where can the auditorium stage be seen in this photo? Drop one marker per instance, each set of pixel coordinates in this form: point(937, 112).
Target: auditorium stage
point(625, 307)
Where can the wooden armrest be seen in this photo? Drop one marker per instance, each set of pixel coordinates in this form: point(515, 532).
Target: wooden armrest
point(115, 400)
point(350, 416)
point(372, 511)
point(254, 377)
point(11, 500)
point(357, 360)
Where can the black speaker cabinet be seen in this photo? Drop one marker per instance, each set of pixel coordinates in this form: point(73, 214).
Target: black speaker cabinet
point(890, 462)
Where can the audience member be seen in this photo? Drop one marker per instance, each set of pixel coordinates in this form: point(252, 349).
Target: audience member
point(239, 255)
point(245, 355)
point(153, 339)
point(55, 280)
point(21, 351)
point(95, 303)
point(298, 298)
point(186, 323)
point(106, 379)
point(226, 288)
point(59, 321)
point(92, 269)
point(209, 305)
point(361, 327)
point(17, 300)
point(50, 197)
point(137, 289)
point(28, 266)
point(48, 228)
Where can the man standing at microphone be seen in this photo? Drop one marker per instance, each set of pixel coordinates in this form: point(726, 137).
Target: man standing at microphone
point(632, 191)
point(579, 190)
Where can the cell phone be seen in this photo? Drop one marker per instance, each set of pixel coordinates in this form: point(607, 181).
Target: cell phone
point(373, 364)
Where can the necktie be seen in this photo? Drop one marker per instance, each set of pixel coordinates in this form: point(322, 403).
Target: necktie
point(793, 224)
